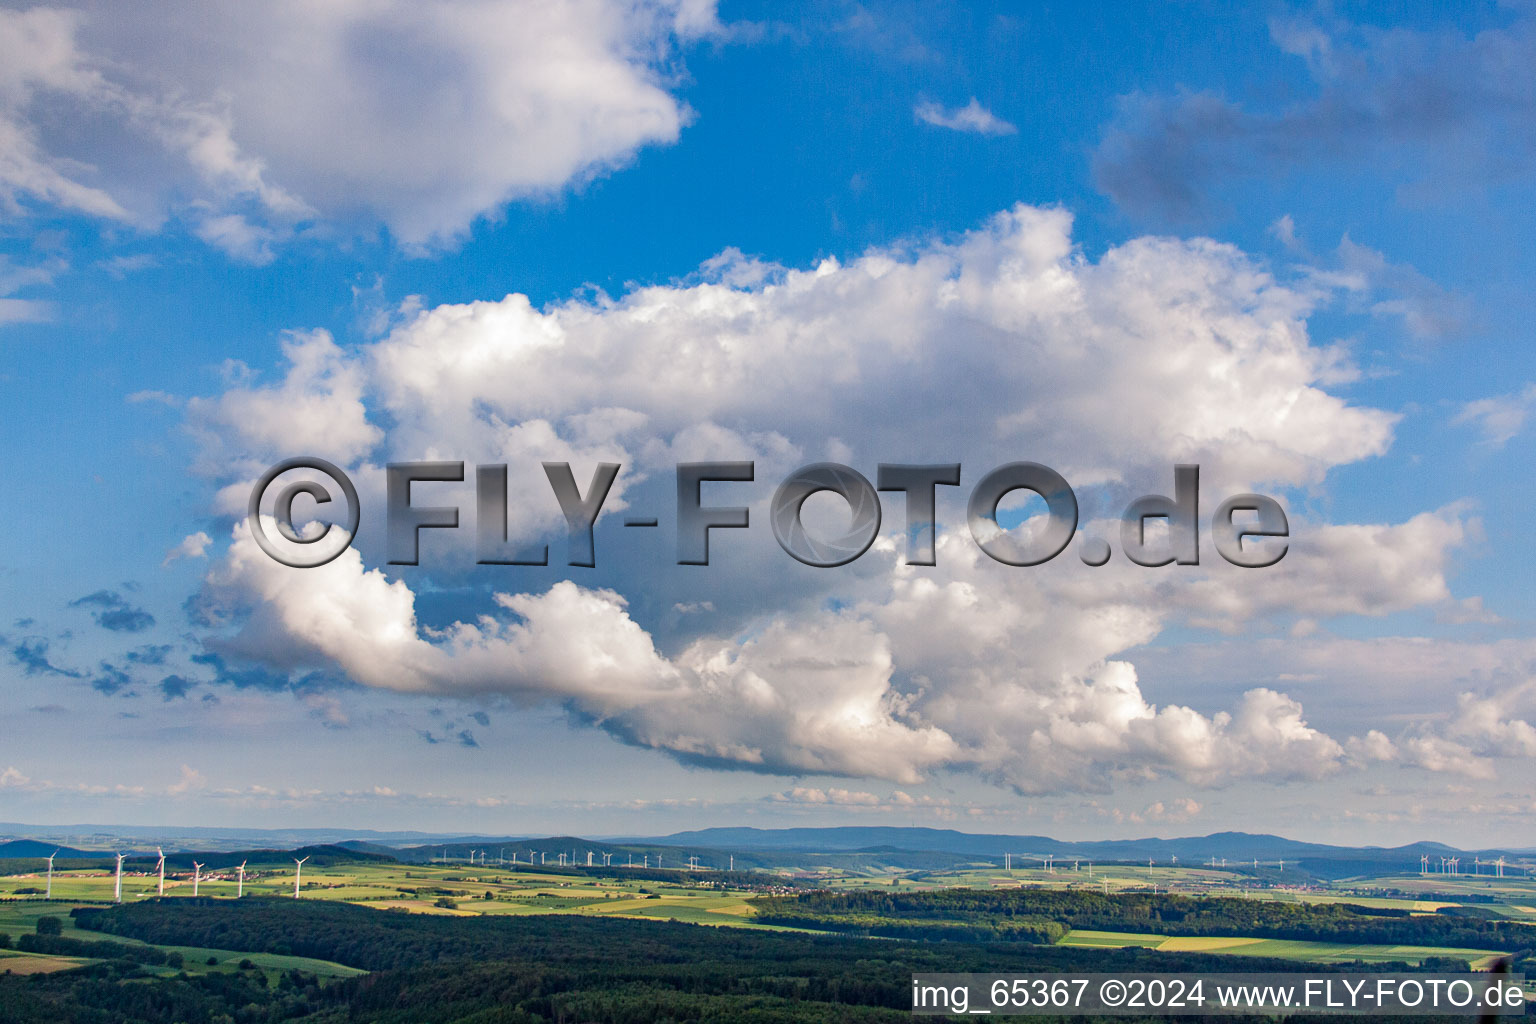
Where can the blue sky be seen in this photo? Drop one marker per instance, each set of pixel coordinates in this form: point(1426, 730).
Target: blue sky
point(1286, 243)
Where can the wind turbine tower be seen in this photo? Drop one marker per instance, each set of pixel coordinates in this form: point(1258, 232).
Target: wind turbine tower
point(298, 872)
point(48, 894)
point(117, 895)
point(161, 868)
point(240, 891)
point(197, 876)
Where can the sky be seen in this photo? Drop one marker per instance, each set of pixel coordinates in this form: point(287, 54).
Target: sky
point(1287, 244)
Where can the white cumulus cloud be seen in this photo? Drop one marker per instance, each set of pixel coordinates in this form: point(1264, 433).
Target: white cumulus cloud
point(248, 120)
point(1006, 343)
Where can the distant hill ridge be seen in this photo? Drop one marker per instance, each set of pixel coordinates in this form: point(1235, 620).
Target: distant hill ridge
point(751, 847)
point(1235, 846)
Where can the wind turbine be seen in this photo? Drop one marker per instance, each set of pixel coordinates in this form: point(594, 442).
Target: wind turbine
point(49, 894)
point(241, 890)
point(298, 871)
point(197, 876)
point(117, 896)
point(161, 868)
point(1424, 864)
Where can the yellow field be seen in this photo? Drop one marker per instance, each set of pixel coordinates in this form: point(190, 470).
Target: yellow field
point(1286, 949)
point(29, 963)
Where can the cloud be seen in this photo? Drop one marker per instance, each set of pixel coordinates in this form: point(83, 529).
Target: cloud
point(1437, 103)
point(158, 397)
point(1500, 418)
point(422, 116)
point(112, 611)
point(32, 655)
point(191, 779)
point(1481, 728)
point(972, 118)
point(149, 654)
point(1363, 274)
point(193, 545)
point(25, 311)
point(174, 687)
point(112, 680)
point(1110, 370)
point(14, 277)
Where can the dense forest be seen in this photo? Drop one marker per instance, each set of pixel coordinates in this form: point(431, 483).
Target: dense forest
point(1037, 915)
point(521, 970)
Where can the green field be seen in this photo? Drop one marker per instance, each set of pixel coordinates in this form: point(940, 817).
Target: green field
point(20, 915)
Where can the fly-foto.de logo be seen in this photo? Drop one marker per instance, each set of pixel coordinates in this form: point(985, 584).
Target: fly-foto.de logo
point(1248, 530)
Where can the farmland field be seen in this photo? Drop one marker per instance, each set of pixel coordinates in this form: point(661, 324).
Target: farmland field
point(1285, 949)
